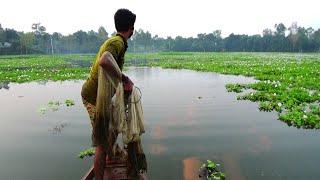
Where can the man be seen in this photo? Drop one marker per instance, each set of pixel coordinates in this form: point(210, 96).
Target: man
point(117, 45)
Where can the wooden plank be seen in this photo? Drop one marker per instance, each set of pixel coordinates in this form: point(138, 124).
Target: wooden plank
point(89, 175)
point(116, 171)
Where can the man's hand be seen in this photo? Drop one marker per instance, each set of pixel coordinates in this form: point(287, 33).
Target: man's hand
point(127, 83)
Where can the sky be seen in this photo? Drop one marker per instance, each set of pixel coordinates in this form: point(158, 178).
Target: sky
point(161, 17)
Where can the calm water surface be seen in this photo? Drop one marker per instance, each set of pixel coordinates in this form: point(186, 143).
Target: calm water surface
point(189, 118)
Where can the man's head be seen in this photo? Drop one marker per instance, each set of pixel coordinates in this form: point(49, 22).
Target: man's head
point(124, 21)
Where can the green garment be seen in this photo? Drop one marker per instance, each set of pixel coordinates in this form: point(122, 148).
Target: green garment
point(117, 46)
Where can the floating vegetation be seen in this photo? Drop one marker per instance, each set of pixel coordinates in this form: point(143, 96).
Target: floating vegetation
point(86, 153)
point(54, 106)
point(41, 67)
point(42, 110)
point(69, 102)
point(306, 116)
point(236, 87)
point(210, 171)
point(286, 85)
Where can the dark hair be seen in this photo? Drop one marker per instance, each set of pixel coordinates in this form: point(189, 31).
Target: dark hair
point(124, 19)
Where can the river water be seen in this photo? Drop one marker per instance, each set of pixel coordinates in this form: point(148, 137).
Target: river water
point(189, 117)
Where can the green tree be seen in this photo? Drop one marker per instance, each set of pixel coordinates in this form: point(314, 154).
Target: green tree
point(103, 34)
point(293, 36)
point(26, 40)
point(143, 40)
point(38, 29)
point(169, 43)
point(2, 38)
point(279, 41)
point(280, 29)
point(2, 35)
point(316, 38)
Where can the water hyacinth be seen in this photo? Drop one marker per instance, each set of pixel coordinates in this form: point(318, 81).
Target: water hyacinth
point(42, 67)
point(284, 84)
point(86, 153)
point(55, 105)
point(210, 171)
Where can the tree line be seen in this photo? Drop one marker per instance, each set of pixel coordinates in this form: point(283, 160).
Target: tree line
point(279, 39)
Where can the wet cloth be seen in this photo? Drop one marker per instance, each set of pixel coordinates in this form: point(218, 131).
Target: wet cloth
point(127, 118)
point(129, 124)
point(111, 136)
point(134, 126)
point(117, 46)
point(91, 110)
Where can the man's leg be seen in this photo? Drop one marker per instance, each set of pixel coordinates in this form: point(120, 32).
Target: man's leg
point(99, 162)
point(100, 153)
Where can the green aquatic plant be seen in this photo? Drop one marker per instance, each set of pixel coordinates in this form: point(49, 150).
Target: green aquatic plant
point(41, 67)
point(236, 87)
point(302, 116)
point(86, 153)
point(281, 79)
point(42, 110)
point(54, 103)
point(265, 106)
point(54, 106)
point(69, 102)
point(210, 171)
point(283, 83)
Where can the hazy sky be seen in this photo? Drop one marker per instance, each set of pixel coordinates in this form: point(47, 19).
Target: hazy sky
point(162, 17)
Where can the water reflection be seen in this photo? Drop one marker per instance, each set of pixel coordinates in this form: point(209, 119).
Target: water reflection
point(191, 167)
point(181, 130)
point(58, 128)
point(231, 163)
point(263, 145)
point(157, 149)
point(4, 85)
point(158, 132)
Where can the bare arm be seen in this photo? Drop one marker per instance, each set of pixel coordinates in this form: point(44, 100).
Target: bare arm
point(105, 63)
